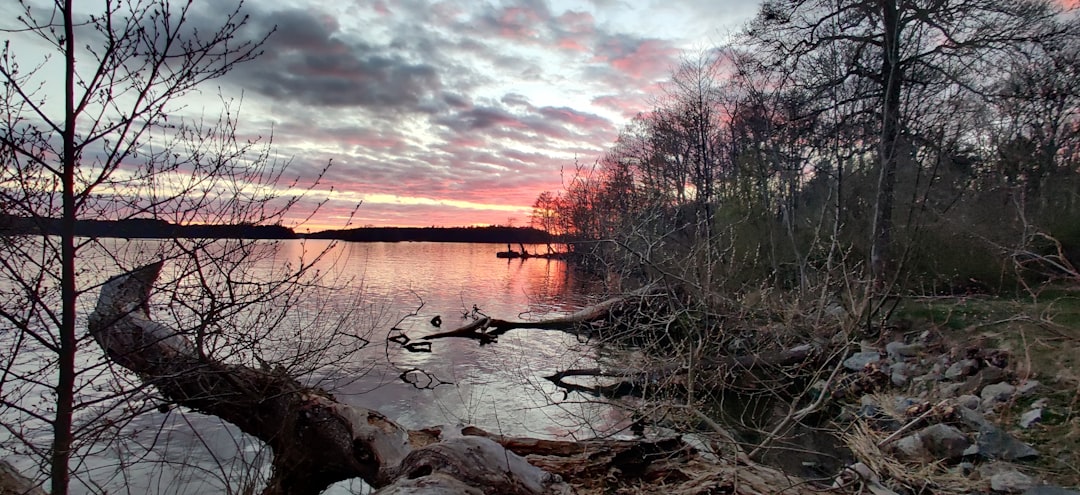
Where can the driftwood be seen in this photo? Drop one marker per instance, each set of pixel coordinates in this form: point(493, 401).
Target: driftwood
point(594, 459)
point(316, 440)
point(582, 322)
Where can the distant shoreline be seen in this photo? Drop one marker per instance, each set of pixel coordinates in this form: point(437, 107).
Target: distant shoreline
point(145, 228)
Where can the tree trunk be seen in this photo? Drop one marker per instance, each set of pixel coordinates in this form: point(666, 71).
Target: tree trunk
point(68, 343)
point(888, 148)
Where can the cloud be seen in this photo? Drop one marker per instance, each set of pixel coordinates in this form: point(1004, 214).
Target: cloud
point(420, 103)
point(308, 59)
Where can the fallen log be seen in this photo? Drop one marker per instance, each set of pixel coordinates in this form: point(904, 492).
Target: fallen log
point(587, 459)
point(315, 439)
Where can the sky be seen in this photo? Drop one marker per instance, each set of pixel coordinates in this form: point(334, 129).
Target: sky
point(459, 112)
point(450, 113)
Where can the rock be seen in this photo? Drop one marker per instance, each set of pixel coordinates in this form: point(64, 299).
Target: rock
point(994, 443)
point(944, 441)
point(969, 402)
point(1049, 490)
point(1031, 417)
point(988, 375)
point(911, 448)
point(929, 377)
point(952, 389)
point(1041, 403)
point(901, 374)
point(899, 350)
point(961, 369)
point(1026, 387)
point(1011, 481)
point(973, 419)
point(859, 360)
point(997, 393)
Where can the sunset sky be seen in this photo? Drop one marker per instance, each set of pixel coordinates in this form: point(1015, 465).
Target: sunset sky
point(447, 113)
point(458, 112)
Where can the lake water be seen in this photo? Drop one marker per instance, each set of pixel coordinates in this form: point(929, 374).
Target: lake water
point(498, 387)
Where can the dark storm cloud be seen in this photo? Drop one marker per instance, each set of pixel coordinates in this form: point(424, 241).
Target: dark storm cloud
point(526, 123)
point(309, 60)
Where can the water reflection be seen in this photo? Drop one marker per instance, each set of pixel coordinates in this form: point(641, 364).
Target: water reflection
point(382, 286)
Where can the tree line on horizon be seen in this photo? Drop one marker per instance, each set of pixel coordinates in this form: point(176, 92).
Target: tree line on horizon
point(929, 146)
point(150, 228)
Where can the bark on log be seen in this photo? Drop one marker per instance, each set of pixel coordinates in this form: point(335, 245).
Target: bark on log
point(316, 440)
point(587, 459)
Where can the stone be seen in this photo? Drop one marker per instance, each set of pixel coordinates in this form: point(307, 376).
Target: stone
point(944, 441)
point(1031, 417)
point(988, 375)
point(1011, 481)
point(911, 447)
point(899, 350)
point(961, 369)
point(951, 389)
point(969, 401)
point(859, 360)
point(998, 392)
point(901, 374)
point(973, 419)
point(994, 443)
point(1026, 387)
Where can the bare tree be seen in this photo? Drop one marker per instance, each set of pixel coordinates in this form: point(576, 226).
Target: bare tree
point(898, 47)
point(109, 142)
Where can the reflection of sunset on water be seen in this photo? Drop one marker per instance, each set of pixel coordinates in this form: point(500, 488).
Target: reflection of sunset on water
point(448, 277)
point(498, 385)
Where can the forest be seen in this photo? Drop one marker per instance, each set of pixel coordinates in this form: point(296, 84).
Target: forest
point(933, 147)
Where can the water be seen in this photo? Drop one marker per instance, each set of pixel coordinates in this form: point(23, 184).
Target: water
point(389, 289)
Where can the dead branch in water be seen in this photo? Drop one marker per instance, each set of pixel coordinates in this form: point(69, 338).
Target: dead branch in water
point(582, 322)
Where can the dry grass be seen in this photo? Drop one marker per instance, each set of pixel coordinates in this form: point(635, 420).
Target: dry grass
point(917, 477)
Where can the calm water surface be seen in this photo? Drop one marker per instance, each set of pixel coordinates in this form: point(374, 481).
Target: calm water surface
point(498, 387)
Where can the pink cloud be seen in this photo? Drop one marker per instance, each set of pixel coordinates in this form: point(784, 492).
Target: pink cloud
point(577, 22)
point(649, 59)
point(571, 44)
point(520, 23)
point(626, 104)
